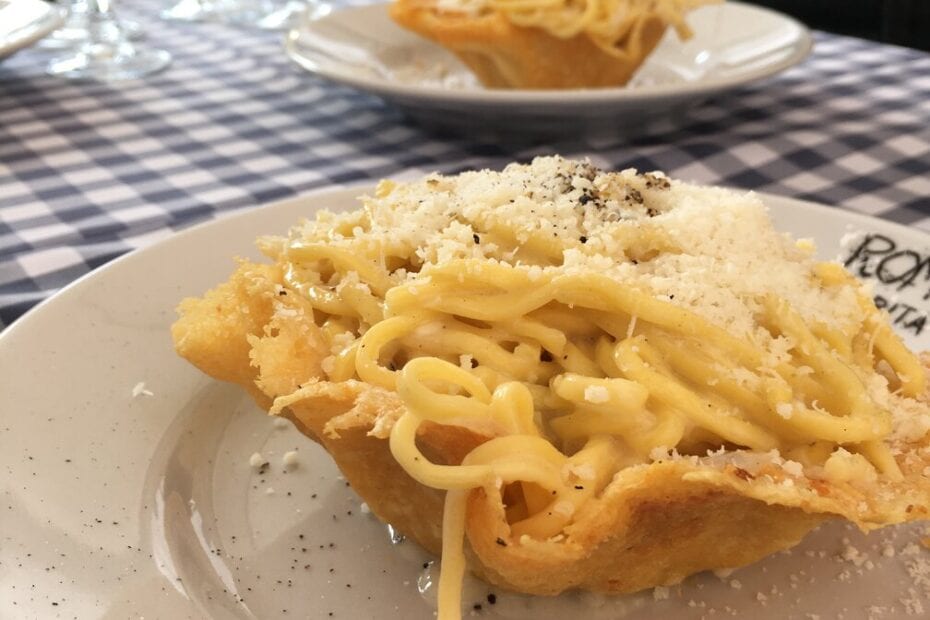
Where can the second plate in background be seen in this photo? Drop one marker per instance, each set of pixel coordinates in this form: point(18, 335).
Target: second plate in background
point(733, 44)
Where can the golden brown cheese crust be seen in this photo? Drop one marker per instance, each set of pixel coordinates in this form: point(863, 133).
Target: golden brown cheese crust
point(653, 525)
point(233, 331)
point(655, 532)
point(503, 55)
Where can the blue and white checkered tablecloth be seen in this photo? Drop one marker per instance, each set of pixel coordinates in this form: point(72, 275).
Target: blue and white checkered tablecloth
point(89, 171)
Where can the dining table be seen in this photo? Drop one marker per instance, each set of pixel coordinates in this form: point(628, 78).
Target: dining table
point(90, 170)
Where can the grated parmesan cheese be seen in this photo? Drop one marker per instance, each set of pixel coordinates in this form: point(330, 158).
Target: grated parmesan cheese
point(139, 389)
point(727, 253)
point(596, 394)
point(328, 364)
point(258, 462)
point(289, 460)
point(581, 472)
point(793, 468)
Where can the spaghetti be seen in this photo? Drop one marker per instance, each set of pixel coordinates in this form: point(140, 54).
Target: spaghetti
point(610, 24)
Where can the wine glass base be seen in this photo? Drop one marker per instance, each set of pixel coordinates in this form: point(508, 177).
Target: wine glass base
point(124, 66)
point(282, 17)
point(269, 15)
point(191, 11)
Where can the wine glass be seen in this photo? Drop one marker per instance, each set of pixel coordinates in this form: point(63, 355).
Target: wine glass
point(74, 31)
point(268, 14)
point(107, 53)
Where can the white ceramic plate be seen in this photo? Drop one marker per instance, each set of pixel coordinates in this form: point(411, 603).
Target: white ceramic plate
point(23, 22)
point(119, 506)
point(733, 44)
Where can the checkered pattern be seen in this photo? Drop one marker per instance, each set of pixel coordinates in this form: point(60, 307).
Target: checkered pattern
point(89, 171)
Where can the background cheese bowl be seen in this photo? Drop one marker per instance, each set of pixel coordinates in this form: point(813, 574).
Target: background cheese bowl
point(117, 505)
point(734, 44)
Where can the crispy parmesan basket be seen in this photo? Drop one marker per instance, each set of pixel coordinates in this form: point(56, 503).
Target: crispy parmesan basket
point(507, 337)
point(504, 55)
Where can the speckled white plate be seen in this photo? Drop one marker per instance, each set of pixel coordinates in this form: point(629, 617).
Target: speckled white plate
point(119, 506)
point(23, 22)
point(733, 44)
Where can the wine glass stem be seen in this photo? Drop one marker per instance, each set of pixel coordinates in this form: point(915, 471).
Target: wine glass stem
point(102, 23)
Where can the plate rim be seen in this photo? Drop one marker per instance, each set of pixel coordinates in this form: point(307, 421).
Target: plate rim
point(580, 97)
point(840, 214)
point(51, 20)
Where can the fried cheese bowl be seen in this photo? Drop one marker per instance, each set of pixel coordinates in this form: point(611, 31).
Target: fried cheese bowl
point(562, 378)
point(541, 44)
